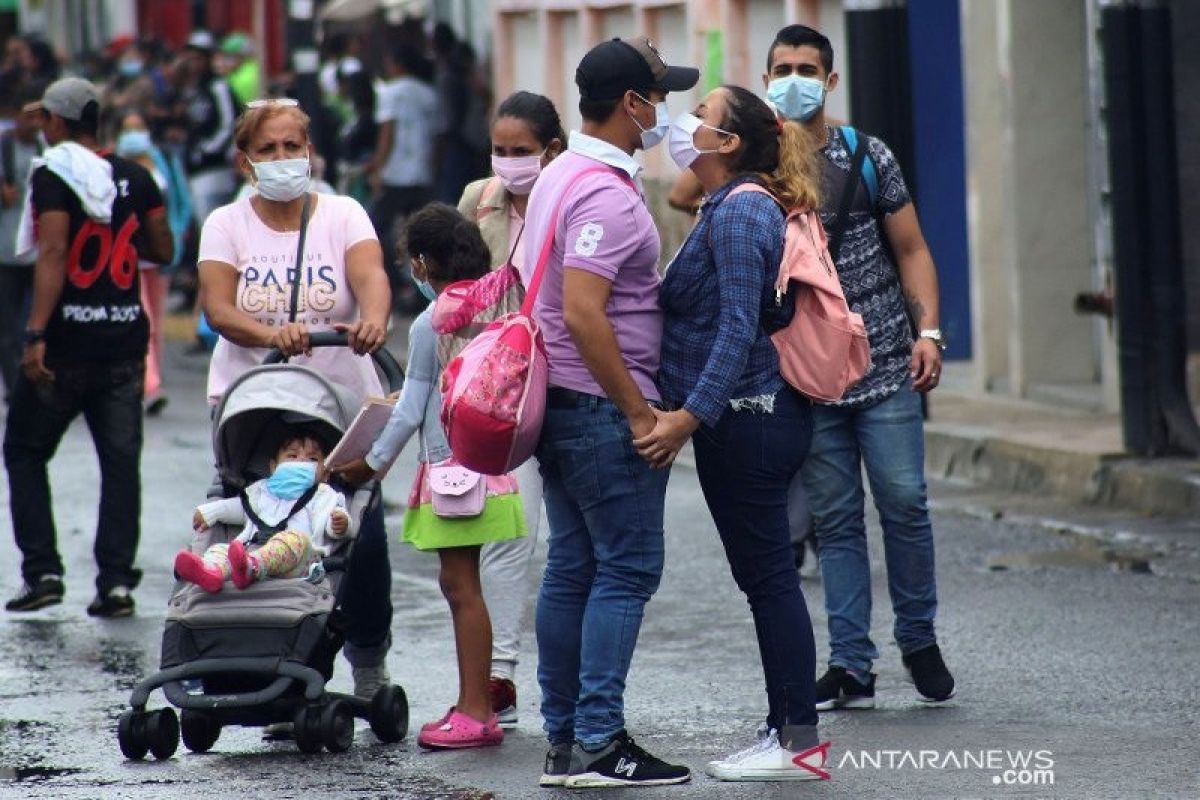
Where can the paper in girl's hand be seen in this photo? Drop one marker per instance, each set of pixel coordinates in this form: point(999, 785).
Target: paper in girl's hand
point(356, 442)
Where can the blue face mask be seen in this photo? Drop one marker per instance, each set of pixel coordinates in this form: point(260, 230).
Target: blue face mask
point(130, 68)
point(292, 478)
point(426, 289)
point(796, 96)
point(133, 143)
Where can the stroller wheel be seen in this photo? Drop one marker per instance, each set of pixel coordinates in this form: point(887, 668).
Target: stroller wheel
point(337, 727)
point(200, 732)
point(162, 732)
point(389, 714)
point(131, 735)
point(307, 729)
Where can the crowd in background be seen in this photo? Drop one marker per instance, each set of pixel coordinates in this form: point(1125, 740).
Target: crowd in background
point(394, 130)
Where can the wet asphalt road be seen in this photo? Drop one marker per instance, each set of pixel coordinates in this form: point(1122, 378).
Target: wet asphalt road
point(1071, 632)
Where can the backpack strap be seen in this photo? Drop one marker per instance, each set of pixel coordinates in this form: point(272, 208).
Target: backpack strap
point(837, 230)
point(539, 271)
point(870, 174)
point(265, 529)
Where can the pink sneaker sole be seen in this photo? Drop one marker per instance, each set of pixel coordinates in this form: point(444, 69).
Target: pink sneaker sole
point(191, 568)
point(460, 731)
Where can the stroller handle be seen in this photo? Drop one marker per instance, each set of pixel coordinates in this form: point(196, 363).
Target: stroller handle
point(386, 362)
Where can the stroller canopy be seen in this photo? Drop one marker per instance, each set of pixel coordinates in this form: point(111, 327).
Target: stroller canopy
point(260, 406)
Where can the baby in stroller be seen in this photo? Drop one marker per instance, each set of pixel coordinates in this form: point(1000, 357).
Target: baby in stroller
point(264, 654)
point(308, 515)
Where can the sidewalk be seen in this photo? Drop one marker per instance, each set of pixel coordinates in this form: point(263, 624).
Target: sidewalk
point(1034, 448)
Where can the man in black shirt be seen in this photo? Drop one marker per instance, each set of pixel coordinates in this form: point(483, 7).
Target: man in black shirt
point(93, 216)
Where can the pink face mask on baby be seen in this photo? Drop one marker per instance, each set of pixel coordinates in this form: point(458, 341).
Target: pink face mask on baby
point(518, 173)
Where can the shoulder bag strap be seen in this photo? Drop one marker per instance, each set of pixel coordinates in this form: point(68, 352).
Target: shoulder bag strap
point(535, 280)
point(516, 244)
point(294, 307)
point(837, 230)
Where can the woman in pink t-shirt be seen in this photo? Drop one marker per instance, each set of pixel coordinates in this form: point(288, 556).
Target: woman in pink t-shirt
point(248, 254)
point(247, 266)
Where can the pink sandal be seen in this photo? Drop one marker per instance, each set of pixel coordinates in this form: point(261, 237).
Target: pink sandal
point(460, 731)
point(437, 723)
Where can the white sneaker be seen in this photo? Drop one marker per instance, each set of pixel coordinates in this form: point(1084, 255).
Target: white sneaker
point(368, 680)
point(767, 760)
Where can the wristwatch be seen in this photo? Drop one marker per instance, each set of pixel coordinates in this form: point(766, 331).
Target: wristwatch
point(34, 336)
point(934, 335)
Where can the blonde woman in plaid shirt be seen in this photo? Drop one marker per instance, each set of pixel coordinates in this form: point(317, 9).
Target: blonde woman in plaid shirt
point(750, 430)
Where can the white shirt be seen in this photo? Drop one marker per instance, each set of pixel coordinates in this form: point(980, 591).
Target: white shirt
point(412, 108)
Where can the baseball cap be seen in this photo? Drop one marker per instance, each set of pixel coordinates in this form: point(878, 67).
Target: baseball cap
point(201, 40)
point(67, 98)
point(614, 67)
point(237, 44)
point(118, 45)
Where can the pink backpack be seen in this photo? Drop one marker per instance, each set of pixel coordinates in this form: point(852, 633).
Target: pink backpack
point(824, 350)
point(494, 390)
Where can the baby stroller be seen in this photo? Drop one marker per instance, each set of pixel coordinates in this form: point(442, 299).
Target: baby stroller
point(262, 655)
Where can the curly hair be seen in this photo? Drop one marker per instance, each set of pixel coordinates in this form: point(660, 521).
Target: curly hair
point(451, 244)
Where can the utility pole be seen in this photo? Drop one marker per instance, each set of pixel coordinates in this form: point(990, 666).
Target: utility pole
point(1156, 417)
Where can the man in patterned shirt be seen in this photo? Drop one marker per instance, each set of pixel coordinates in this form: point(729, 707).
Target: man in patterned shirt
point(888, 276)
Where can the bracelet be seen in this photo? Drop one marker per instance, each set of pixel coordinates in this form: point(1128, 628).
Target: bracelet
point(34, 336)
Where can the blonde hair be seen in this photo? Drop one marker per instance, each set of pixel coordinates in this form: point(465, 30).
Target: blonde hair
point(252, 119)
point(782, 154)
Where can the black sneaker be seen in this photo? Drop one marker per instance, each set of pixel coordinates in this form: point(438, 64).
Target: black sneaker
point(117, 603)
point(837, 688)
point(45, 591)
point(558, 765)
point(621, 763)
point(928, 672)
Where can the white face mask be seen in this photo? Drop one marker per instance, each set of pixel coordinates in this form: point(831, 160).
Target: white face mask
point(662, 123)
point(683, 139)
point(282, 180)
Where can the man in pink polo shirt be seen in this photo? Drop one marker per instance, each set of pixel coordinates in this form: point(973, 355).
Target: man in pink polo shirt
point(598, 309)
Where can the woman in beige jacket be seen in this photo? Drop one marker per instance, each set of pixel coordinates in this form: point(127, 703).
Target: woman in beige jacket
point(526, 135)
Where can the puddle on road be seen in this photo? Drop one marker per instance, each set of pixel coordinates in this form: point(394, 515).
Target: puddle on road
point(124, 660)
point(1084, 554)
point(34, 774)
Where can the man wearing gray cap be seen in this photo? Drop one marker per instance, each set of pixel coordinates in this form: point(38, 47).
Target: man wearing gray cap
point(92, 216)
point(598, 310)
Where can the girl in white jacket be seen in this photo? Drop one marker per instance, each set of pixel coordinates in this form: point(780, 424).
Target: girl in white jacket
point(305, 514)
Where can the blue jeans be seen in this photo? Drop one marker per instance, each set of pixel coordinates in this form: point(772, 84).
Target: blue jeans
point(109, 395)
point(888, 439)
point(604, 504)
point(746, 464)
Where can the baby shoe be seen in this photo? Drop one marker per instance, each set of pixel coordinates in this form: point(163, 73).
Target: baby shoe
point(460, 731)
point(242, 565)
point(191, 568)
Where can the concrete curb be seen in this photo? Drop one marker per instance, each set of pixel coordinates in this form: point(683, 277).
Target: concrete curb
point(977, 455)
